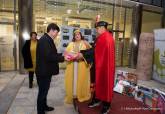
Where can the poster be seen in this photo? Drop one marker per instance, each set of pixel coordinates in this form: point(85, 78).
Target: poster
point(159, 56)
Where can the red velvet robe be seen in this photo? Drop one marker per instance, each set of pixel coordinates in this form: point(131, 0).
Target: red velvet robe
point(105, 66)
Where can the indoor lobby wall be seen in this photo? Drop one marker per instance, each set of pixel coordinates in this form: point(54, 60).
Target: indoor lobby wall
point(8, 35)
point(151, 21)
point(45, 13)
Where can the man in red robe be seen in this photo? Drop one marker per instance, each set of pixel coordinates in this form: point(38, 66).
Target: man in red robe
point(103, 56)
point(104, 65)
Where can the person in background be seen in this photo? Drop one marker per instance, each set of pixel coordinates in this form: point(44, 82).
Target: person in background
point(29, 56)
point(104, 60)
point(77, 73)
point(47, 60)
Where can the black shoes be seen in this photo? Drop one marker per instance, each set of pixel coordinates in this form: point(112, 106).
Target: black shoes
point(40, 112)
point(47, 108)
point(31, 86)
point(94, 103)
point(105, 110)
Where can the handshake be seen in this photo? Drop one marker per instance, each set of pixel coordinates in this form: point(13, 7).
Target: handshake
point(72, 56)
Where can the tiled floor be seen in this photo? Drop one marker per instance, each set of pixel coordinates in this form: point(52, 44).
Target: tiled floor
point(5, 78)
point(25, 100)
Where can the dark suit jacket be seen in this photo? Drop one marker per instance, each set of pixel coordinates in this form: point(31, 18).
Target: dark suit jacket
point(27, 55)
point(47, 58)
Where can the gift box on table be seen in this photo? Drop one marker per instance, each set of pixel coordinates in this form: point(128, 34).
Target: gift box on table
point(120, 75)
point(160, 100)
point(149, 98)
point(125, 83)
point(139, 96)
point(119, 87)
point(145, 94)
point(129, 90)
point(131, 77)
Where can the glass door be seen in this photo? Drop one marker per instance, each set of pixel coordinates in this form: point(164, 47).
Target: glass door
point(6, 48)
point(122, 26)
point(8, 61)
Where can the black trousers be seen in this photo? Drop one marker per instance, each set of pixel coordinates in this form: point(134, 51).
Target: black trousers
point(31, 75)
point(43, 85)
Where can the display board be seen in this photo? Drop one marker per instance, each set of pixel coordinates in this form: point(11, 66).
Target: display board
point(159, 56)
point(67, 36)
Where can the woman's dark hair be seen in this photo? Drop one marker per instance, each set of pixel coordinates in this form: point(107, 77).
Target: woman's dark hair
point(82, 38)
point(53, 26)
point(33, 33)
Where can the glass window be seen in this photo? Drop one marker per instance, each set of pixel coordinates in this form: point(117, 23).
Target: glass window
point(7, 36)
point(150, 21)
point(6, 47)
point(7, 4)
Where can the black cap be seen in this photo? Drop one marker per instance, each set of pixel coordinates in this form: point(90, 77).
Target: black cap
point(101, 23)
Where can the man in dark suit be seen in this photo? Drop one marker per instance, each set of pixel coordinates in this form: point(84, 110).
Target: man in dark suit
point(47, 60)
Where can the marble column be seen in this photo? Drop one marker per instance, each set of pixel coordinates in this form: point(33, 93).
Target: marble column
point(145, 56)
point(135, 34)
point(25, 14)
point(163, 15)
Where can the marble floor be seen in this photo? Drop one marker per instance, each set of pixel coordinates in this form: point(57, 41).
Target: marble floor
point(5, 78)
point(24, 99)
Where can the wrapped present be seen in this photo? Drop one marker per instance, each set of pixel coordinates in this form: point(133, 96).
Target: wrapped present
point(119, 87)
point(145, 90)
point(139, 96)
point(145, 94)
point(71, 55)
point(129, 90)
point(125, 83)
point(148, 100)
point(131, 77)
point(160, 104)
point(151, 102)
point(149, 97)
point(120, 75)
point(154, 104)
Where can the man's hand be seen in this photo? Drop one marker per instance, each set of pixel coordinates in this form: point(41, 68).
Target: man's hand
point(67, 58)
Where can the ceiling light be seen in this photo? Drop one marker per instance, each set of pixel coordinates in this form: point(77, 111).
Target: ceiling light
point(44, 24)
point(48, 18)
point(69, 11)
point(78, 12)
point(66, 19)
point(25, 35)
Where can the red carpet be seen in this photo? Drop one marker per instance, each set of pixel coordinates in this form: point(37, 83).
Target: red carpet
point(120, 105)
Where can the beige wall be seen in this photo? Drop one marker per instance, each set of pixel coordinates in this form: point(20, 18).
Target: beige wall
point(150, 21)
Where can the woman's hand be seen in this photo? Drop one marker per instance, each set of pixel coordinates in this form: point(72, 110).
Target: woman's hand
point(79, 56)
